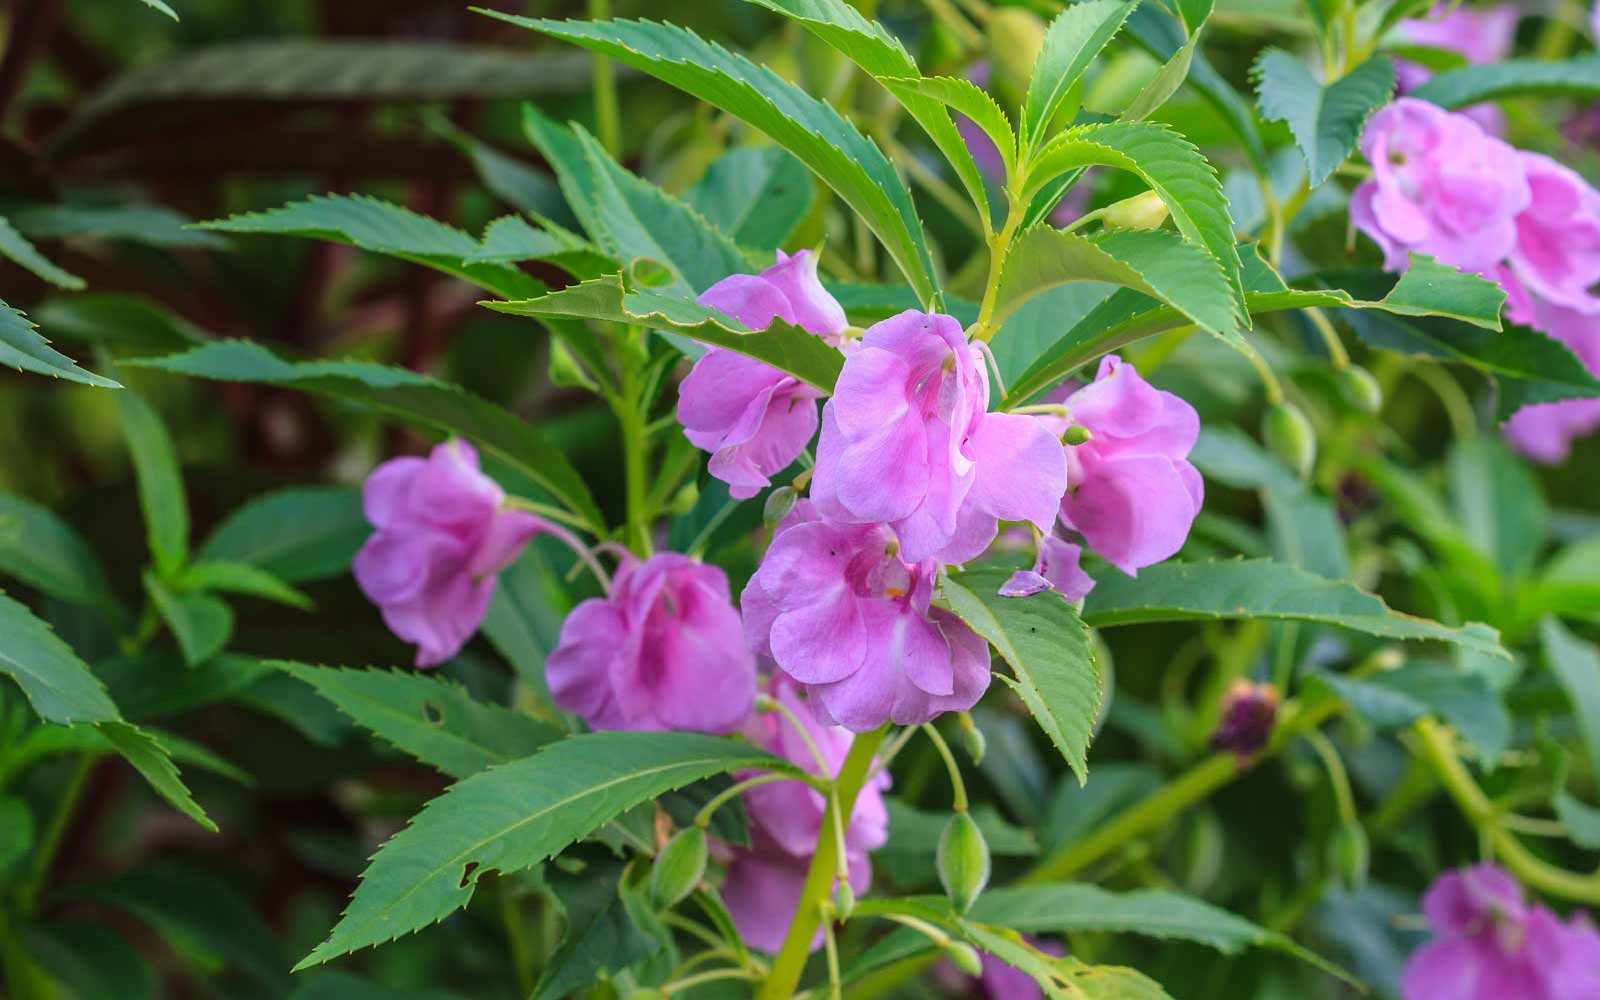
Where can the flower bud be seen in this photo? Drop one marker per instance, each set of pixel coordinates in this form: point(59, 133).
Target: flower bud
point(1349, 853)
point(566, 370)
point(1360, 389)
point(678, 868)
point(1142, 211)
point(963, 861)
point(844, 900)
point(1289, 436)
point(1248, 713)
point(1077, 434)
point(779, 503)
point(1015, 38)
point(972, 740)
point(964, 957)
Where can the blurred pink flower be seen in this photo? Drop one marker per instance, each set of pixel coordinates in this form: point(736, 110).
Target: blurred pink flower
point(663, 650)
point(1556, 257)
point(1544, 432)
point(751, 417)
point(1480, 34)
point(443, 536)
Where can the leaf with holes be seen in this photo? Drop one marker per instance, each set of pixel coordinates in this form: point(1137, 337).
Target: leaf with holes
point(1326, 121)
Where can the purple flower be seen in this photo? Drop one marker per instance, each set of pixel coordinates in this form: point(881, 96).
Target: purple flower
point(1491, 945)
point(1480, 34)
point(443, 536)
point(1544, 432)
point(998, 981)
point(1249, 712)
point(764, 882)
point(907, 441)
point(1056, 567)
point(1440, 186)
point(751, 417)
point(1556, 257)
point(1131, 492)
point(842, 613)
point(663, 650)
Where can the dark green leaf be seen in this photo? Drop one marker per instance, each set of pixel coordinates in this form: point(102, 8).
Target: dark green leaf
point(599, 938)
point(1498, 502)
point(1396, 698)
point(1469, 85)
point(208, 576)
point(755, 194)
point(1326, 121)
point(160, 482)
point(152, 760)
point(57, 683)
point(91, 960)
point(44, 552)
point(129, 325)
point(202, 625)
point(16, 248)
point(299, 534)
point(152, 225)
point(22, 348)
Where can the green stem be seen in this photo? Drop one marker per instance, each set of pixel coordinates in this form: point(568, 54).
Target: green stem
point(44, 856)
point(958, 787)
point(522, 960)
point(999, 247)
point(605, 88)
point(635, 448)
point(791, 959)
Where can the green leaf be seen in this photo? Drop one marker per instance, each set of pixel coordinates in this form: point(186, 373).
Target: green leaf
point(16, 830)
point(599, 938)
point(433, 720)
point(383, 227)
point(58, 684)
point(16, 248)
point(152, 760)
point(202, 625)
point(22, 348)
point(1498, 502)
point(1259, 588)
point(1156, 262)
point(524, 618)
point(755, 194)
point(240, 578)
point(1396, 698)
point(298, 535)
point(512, 238)
point(512, 181)
point(1569, 584)
point(808, 128)
point(162, 6)
point(90, 960)
point(787, 348)
point(1074, 39)
point(129, 325)
point(160, 483)
point(1576, 664)
point(1168, 163)
point(1172, 73)
point(44, 552)
point(1581, 820)
point(151, 225)
point(1458, 88)
point(514, 816)
point(971, 101)
point(1326, 121)
point(1048, 649)
point(416, 398)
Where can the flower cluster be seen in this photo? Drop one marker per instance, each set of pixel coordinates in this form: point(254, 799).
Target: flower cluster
point(1442, 186)
point(1490, 944)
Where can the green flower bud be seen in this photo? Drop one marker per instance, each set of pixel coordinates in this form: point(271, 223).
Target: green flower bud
point(1289, 436)
point(1015, 38)
point(1350, 854)
point(779, 503)
point(1142, 211)
point(678, 868)
point(1077, 434)
point(566, 370)
point(844, 900)
point(973, 742)
point(1360, 389)
point(963, 861)
point(964, 957)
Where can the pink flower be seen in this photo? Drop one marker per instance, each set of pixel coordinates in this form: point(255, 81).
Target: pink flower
point(1439, 186)
point(443, 536)
point(1480, 34)
point(907, 441)
point(1557, 252)
point(663, 650)
point(1056, 567)
point(1131, 492)
point(842, 613)
point(751, 417)
point(998, 981)
point(1544, 432)
point(1490, 945)
point(764, 882)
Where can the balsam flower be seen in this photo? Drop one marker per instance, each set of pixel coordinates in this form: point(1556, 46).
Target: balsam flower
point(1131, 491)
point(1544, 432)
point(751, 417)
point(1489, 944)
point(1440, 186)
point(1057, 566)
point(663, 650)
point(764, 882)
point(907, 441)
point(1556, 257)
point(840, 611)
point(443, 536)
point(1482, 35)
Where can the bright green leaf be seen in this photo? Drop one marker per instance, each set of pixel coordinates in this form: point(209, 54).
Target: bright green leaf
point(1326, 121)
point(58, 684)
point(1459, 88)
point(240, 578)
point(1073, 40)
point(755, 194)
point(152, 760)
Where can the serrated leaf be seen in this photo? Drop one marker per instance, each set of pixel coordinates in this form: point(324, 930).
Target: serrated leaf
point(808, 128)
point(1576, 664)
point(159, 480)
point(1157, 263)
point(599, 937)
point(1326, 121)
point(1047, 647)
point(968, 99)
point(787, 348)
point(129, 325)
point(16, 248)
point(154, 763)
point(1164, 160)
point(416, 398)
point(202, 625)
point(151, 225)
point(1458, 88)
point(1396, 698)
point(512, 817)
point(433, 720)
point(1071, 43)
point(208, 575)
point(59, 685)
point(1260, 588)
point(44, 552)
point(22, 347)
point(299, 534)
point(379, 226)
point(755, 194)
point(1173, 72)
point(512, 238)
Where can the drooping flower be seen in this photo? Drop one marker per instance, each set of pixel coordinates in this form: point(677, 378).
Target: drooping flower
point(751, 417)
point(1490, 944)
point(663, 650)
point(1481, 35)
point(841, 612)
point(1556, 257)
point(1440, 186)
point(443, 536)
point(764, 882)
point(907, 441)
point(1131, 491)
point(1544, 432)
